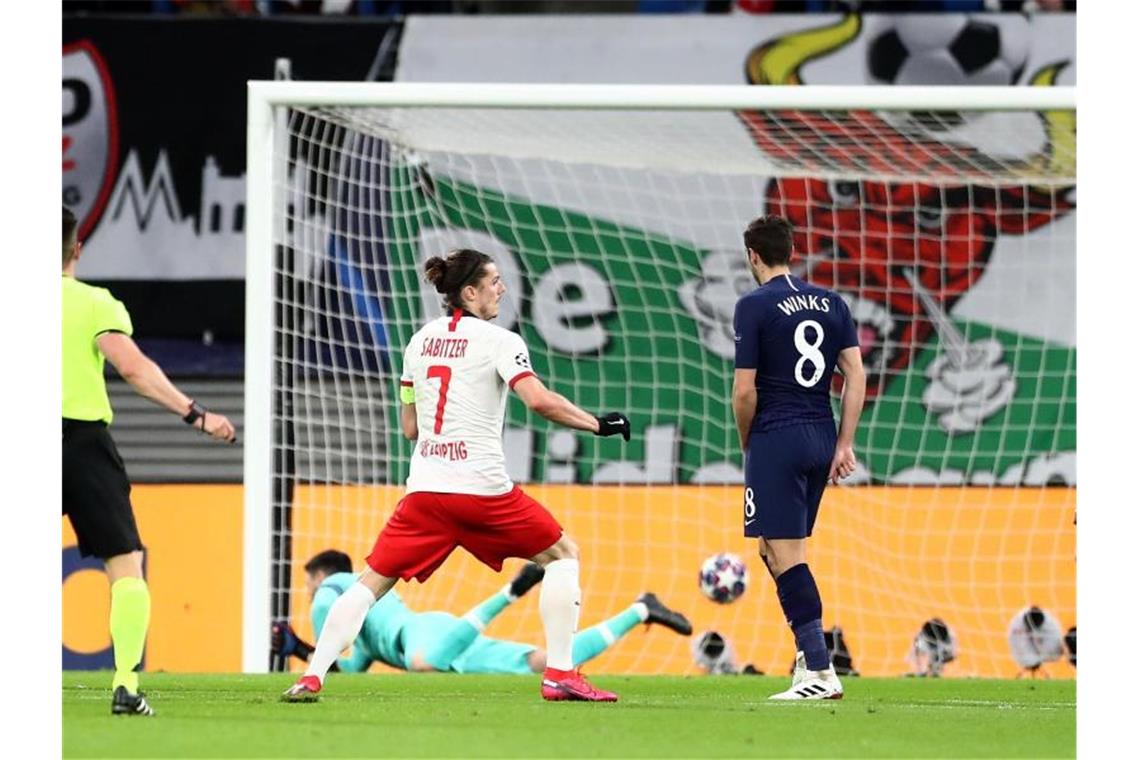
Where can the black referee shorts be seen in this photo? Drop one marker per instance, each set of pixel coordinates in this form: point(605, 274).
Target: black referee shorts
point(96, 492)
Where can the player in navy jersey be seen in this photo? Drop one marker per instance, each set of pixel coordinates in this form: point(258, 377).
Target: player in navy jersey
point(790, 338)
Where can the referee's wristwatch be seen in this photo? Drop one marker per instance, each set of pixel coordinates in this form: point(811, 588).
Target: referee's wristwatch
point(197, 412)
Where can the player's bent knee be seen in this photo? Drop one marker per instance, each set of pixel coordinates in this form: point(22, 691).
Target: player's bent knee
point(563, 548)
point(783, 554)
point(127, 565)
point(767, 559)
point(569, 548)
point(420, 665)
point(378, 584)
point(536, 661)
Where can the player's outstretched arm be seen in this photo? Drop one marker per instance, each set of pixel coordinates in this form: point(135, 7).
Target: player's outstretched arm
point(850, 363)
point(557, 408)
point(148, 379)
point(744, 403)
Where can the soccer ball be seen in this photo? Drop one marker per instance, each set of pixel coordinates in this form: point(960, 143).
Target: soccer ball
point(947, 49)
point(723, 578)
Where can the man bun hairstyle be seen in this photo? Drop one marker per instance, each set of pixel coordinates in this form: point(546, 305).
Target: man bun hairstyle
point(771, 238)
point(69, 225)
point(462, 267)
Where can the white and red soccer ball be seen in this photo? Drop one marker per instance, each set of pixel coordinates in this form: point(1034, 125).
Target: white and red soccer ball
point(724, 578)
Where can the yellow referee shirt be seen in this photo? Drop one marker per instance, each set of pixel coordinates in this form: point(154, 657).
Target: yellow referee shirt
point(88, 312)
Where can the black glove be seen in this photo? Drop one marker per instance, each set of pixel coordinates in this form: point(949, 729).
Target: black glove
point(286, 643)
point(613, 423)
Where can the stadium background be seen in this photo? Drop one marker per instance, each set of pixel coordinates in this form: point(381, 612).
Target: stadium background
point(159, 176)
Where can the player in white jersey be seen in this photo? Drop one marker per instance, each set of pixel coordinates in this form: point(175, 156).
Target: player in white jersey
point(457, 372)
point(460, 370)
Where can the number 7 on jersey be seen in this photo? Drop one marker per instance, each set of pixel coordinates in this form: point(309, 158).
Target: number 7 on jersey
point(443, 372)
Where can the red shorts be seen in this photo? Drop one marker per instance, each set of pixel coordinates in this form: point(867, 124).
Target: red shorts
point(427, 527)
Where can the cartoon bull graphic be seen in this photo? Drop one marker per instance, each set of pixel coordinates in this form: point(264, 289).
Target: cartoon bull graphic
point(902, 252)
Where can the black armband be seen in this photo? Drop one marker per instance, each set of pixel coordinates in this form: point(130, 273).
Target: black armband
point(197, 412)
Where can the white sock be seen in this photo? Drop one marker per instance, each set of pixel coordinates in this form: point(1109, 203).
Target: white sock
point(559, 602)
point(345, 619)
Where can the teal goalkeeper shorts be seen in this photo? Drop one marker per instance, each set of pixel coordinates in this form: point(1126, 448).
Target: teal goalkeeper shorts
point(485, 655)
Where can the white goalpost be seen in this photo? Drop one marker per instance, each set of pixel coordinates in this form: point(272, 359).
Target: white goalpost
point(944, 215)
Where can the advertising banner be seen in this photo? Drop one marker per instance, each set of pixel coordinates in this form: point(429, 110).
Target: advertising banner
point(715, 49)
point(193, 566)
point(974, 572)
point(887, 560)
point(969, 335)
point(154, 149)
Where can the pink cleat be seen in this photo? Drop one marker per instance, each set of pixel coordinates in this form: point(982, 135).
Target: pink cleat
point(570, 685)
point(305, 690)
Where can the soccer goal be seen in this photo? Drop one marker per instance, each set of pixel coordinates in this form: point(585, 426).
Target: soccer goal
point(945, 216)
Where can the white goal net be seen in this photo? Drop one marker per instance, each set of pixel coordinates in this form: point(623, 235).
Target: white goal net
point(618, 230)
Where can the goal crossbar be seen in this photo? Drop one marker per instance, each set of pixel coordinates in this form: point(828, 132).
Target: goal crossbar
point(661, 97)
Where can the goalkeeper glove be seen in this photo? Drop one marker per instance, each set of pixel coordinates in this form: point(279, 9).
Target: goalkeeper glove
point(286, 643)
point(613, 423)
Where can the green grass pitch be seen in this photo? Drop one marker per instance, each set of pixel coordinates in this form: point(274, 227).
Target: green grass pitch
point(437, 715)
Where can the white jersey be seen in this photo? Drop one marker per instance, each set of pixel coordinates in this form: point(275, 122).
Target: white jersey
point(461, 370)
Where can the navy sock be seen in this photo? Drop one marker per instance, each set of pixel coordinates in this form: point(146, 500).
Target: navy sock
point(809, 639)
point(799, 597)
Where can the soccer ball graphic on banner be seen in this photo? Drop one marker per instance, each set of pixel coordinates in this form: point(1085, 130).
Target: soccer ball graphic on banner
point(723, 578)
point(947, 49)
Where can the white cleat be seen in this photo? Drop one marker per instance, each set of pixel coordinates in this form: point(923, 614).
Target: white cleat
point(801, 672)
point(821, 684)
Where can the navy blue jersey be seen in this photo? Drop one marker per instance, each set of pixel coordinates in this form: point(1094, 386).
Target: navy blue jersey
point(791, 333)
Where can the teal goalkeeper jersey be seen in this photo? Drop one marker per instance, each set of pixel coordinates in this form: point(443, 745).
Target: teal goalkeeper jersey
point(379, 639)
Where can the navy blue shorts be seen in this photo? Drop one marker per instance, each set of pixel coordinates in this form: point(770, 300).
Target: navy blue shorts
point(785, 472)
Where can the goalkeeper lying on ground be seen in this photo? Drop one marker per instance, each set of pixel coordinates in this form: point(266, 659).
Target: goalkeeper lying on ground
point(438, 641)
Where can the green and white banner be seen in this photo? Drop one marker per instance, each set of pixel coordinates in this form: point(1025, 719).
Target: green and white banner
point(624, 318)
point(623, 281)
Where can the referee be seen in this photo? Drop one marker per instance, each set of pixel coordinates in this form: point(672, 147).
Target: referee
point(96, 491)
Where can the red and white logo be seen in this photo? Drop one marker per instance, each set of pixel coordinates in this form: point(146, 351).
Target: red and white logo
point(90, 134)
point(902, 253)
